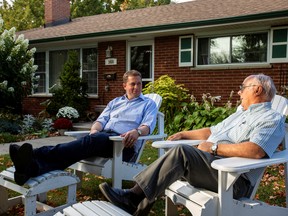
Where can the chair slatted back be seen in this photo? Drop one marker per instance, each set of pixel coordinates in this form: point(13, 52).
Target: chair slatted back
point(158, 100)
point(280, 104)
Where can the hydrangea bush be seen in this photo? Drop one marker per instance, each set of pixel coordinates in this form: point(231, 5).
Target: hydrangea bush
point(67, 112)
point(17, 69)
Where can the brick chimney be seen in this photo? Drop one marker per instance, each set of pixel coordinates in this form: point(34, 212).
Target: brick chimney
point(57, 12)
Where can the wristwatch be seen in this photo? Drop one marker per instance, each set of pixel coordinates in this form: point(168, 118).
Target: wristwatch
point(139, 131)
point(214, 148)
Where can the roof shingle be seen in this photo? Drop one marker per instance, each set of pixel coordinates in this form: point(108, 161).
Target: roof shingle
point(197, 10)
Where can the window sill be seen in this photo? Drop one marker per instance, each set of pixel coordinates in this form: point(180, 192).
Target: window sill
point(221, 67)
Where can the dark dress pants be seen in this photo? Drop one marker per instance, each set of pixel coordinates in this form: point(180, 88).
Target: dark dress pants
point(61, 156)
point(185, 162)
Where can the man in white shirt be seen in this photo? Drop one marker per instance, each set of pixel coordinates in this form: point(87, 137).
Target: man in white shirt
point(253, 132)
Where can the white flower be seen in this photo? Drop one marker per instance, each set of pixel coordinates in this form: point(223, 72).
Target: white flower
point(67, 112)
point(10, 89)
point(4, 84)
point(9, 58)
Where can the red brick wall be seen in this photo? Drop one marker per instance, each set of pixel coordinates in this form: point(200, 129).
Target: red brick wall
point(115, 86)
point(31, 105)
point(217, 82)
point(56, 10)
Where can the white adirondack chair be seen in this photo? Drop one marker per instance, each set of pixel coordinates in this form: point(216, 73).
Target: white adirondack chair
point(207, 203)
point(114, 167)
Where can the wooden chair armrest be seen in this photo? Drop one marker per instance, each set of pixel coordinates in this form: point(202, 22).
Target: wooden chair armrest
point(167, 144)
point(241, 165)
point(149, 137)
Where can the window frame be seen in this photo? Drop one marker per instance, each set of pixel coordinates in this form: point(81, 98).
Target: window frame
point(97, 70)
point(272, 44)
point(186, 50)
point(141, 43)
point(230, 35)
point(47, 69)
point(42, 72)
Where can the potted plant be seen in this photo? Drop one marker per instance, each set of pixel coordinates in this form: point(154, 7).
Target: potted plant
point(62, 125)
point(64, 119)
point(67, 112)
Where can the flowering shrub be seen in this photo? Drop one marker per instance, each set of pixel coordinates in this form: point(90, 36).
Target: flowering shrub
point(182, 111)
point(67, 112)
point(17, 70)
point(62, 123)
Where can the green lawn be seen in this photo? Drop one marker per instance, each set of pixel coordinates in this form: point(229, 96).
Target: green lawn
point(272, 189)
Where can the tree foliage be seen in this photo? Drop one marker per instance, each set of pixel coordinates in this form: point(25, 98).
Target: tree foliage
point(28, 14)
point(23, 14)
point(16, 70)
point(135, 4)
point(81, 8)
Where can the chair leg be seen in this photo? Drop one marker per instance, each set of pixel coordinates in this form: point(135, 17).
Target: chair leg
point(170, 207)
point(3, 200)
point(71, 194)
point(80, 176)
point(42, 197)
point(30, 205)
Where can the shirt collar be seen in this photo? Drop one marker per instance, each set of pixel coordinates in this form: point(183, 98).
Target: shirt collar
point(259, 106)
point(141, 96)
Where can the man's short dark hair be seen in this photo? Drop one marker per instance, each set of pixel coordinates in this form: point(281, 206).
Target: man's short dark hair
point(131, 73)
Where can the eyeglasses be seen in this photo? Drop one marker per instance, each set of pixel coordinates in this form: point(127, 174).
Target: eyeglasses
point(242, 87)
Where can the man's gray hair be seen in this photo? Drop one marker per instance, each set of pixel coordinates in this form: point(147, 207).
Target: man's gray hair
point(267, 84)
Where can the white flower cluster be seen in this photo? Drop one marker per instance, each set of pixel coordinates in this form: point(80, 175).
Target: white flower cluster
point(4, 86)
point(67, 112)
point(15, 49)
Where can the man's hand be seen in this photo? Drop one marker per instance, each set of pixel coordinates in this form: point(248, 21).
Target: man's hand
point(205, 146)
point(176, 136)
point(130, 138)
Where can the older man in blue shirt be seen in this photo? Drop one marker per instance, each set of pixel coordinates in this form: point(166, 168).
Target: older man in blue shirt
point(253, 132)
point(129, 116)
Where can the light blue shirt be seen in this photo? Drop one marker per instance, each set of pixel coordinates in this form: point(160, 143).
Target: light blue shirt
point(122, 115)
point(258, 124)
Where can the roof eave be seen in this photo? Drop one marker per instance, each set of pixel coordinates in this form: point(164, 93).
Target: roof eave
point(193, 24)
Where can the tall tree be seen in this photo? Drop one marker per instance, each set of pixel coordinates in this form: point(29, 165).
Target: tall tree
point(23, 14)
point(80, 8)
point(135, 4)
point(28, 14)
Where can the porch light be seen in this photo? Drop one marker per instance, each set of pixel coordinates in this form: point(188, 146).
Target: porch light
point(109, 52)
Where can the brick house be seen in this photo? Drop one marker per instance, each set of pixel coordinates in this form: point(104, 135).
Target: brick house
point(210, 46)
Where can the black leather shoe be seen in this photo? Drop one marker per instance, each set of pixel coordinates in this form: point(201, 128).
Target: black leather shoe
point(121, 198)
point(23, 162)
point(13, 151)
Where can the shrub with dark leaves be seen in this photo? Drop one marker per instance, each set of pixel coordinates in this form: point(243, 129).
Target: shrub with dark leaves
point(7, 126)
